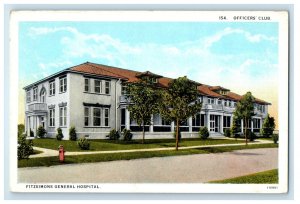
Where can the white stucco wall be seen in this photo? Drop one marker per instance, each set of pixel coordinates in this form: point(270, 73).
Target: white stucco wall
point(78, 96)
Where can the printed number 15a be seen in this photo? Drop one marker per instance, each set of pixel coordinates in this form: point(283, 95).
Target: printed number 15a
point(222, 18)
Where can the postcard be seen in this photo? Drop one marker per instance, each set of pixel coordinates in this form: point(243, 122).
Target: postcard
point(149, 101)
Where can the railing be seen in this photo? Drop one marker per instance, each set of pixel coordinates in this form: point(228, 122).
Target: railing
point(37, 107)
point(214, 106)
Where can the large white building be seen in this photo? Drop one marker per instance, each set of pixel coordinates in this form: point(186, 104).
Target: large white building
point(91, 98)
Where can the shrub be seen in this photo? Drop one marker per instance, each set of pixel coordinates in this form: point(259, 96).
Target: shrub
point(72, 133)
point(83, 143)
point(227, 133)
point(113, 135)
point(275, 138)
point(24, 147)
point(127, 135)
point(59, 134)
point(31, 133)
point(41, 132)
point(203, 133)
point(251, 136)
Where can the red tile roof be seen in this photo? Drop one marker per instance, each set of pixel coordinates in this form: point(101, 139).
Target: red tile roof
point(131, 76)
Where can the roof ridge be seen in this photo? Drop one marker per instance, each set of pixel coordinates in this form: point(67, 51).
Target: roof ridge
point(108, 66)
point(91, 64)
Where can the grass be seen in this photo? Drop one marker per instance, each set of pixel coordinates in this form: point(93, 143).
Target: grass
point(105, 145)
point(50, 161)
point(270, 176)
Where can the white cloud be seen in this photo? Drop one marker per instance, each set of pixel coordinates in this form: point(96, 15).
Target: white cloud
point(209, 41)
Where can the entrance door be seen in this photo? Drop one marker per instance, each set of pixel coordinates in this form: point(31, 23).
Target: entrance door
point(43, 121)
point(212, 123)
point(217, 123)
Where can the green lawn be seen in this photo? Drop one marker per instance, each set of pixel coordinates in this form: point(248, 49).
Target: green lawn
point(104, 145)
point(50, 161)
point(265, 177)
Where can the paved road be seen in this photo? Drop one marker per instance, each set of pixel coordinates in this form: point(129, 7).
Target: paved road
point(177, 169)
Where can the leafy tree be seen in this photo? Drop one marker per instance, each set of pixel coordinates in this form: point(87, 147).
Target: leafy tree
point(179, 102)
point(268, 126)
point(143, 97)
point(245, 110)
point(21, 129)
point(236, 127)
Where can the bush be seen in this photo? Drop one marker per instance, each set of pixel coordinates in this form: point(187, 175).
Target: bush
point(203, 133)
point(127, 135)
point(31, 133)
point(83, 143)
point(41, 132)
point(24, 147)
point(72, 133)
point(275, 138)
point(227, 133)
point(59, 134)
point(251, 136)
point(113, 135)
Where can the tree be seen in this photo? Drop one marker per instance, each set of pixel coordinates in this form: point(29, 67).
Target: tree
point(25, 148)
point(21, 129)
point(179, 102)
point(245, 111)
point(268, 126)
point(235, 129)
point(143, 97)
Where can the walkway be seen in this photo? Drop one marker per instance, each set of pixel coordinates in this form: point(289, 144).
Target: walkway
point(198, 168)
point(49, 152)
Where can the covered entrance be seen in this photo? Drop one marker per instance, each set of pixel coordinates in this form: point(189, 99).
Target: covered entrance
point(214, 123)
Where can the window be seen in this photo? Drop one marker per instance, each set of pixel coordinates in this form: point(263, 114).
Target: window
point(35, 93)
point(229, 103)
point(43, 95)
point(28, 96)
point(220, 102)
point(97, 86)
point(226, 122)
point(202, 120)
point(97, 117)
point(107, 87)
point(263, 108)
point(63, 116)
point(211, 101)
point(153, 80)
point(52, 88)
point(256, 123)
point(196, 120)
point(123, 90)
point(86, 116)
point(106, 117)
point(52, 117)
point(63, 84)
point(86, 85)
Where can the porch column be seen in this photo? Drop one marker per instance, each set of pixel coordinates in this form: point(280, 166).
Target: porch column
point(26, 125)
point(208, 121)
point(251, 125)
point(242, 126)
point(221, 124)
point(231, 121)
point(172, 126)
point(190, 124)
point(127, 119)
point(151, 124)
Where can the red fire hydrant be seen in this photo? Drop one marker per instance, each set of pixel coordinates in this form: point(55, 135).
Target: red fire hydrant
point(61, 151)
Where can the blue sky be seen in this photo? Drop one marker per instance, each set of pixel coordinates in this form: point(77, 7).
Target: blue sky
point(239, 56)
